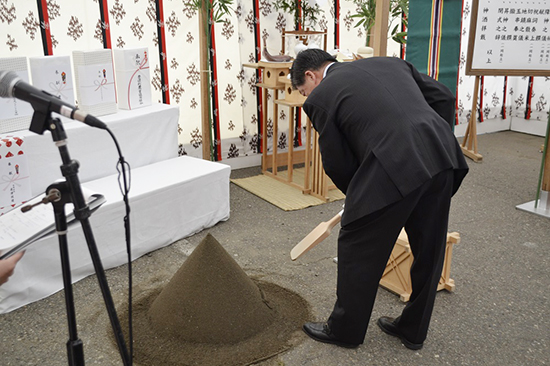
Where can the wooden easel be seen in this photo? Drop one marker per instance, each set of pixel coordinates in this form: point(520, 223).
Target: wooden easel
point(469, 144)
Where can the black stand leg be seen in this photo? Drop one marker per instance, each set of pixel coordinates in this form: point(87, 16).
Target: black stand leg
point(71, 191)
point(75, 350)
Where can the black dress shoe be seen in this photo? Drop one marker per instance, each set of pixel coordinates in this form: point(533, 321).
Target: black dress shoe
point(321, 332)
point(387, 324)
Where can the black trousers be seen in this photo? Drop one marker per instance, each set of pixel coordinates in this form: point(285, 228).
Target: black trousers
point(365, 245)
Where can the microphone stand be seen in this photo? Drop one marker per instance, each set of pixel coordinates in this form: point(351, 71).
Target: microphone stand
point(71, 191)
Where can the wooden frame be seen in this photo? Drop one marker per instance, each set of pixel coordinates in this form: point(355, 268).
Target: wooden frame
point(397, 276)
point(316, 182)
point(303, 35)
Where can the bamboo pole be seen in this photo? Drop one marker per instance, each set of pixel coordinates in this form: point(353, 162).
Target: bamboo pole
point(204, 75)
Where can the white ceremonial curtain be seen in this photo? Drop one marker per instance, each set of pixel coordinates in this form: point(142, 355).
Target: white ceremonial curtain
point(174, 66)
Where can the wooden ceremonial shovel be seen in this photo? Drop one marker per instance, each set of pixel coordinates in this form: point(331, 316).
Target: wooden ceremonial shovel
point(317, 235)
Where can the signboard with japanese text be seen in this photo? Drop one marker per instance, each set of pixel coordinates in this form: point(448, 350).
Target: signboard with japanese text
point(509, 37)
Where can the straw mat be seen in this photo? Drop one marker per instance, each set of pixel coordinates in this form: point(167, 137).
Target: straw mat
point(282, 195)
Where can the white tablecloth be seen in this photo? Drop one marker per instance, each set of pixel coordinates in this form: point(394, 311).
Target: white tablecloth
point(146, 135)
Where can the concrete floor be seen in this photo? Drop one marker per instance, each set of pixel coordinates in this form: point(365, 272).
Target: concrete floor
point(498, 314)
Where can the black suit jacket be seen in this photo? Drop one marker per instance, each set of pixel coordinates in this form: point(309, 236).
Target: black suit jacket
point(384, 129)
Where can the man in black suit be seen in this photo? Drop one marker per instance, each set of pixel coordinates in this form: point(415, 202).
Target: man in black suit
point(386, 139)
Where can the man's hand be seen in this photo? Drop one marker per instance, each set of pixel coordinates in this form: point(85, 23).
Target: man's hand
point(7, 267)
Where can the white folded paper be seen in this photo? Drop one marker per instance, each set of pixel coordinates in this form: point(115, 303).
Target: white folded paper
point(53, 74)
point(133, 78)
point(15, 185)
point(15, 115)
point(95, 82)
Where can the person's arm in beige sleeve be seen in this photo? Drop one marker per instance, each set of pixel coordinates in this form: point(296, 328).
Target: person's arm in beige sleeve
point(7, 266)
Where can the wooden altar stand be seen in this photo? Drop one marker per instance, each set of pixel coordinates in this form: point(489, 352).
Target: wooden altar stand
point(282, 165)
point(316, 182)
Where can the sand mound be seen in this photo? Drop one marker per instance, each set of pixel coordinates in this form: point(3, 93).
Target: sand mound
point(211, 313)
point(210, 299)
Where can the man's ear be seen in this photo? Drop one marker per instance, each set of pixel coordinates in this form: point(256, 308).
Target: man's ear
point(309, 73)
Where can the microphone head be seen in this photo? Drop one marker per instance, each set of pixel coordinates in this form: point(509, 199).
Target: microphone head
point(8, 79)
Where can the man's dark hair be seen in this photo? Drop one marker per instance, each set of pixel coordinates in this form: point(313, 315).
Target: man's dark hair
point(310, 59)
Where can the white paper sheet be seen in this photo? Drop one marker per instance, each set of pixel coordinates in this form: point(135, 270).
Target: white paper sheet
point(19, 229)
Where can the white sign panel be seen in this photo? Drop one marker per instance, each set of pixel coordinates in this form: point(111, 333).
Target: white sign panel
point(512, 35)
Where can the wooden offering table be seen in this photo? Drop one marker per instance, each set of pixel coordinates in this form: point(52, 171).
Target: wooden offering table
point(315, 181)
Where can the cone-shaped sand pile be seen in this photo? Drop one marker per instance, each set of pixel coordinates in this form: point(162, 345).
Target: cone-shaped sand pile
point(211, 313)
point(210, 299)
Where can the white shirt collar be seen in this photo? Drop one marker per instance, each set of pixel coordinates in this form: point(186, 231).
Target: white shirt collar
point(326, 68)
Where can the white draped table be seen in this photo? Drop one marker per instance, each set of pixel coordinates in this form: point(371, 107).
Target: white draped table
point(146, 136)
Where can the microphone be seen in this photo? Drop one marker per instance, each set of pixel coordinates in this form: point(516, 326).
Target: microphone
point(11, 86)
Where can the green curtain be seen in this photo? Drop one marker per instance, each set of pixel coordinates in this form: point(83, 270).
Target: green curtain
point(433, 41)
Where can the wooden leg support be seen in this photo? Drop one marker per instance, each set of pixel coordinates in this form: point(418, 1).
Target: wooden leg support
point(469, 144)
point(397, 277)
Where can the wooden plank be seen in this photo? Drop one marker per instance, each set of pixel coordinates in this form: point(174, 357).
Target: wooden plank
point(472, 155)
point(289, 104)
point(267, 86)
point(298, 157)
point(381, 27)
point(283, 179)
